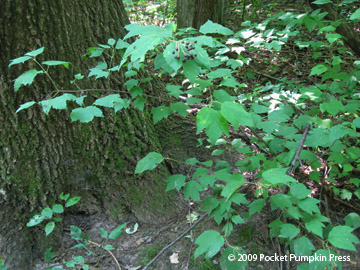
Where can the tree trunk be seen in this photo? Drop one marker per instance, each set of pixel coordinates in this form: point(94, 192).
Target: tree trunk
point(352, 37)
point(42, 156)
point(194, 13)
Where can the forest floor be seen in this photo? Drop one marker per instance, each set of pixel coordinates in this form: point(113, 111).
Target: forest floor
point(133, 251)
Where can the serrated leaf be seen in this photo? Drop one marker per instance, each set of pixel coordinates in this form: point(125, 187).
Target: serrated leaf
point(209, 204)
point(25, 106)
point(85, 115)
point(236, 114)
point(302, 246)
point(35, 52)
point(160, 113)
point(342, 237)
point(352, 220)
point(309, 205)
point(289, 231)
point(56, 63)
point(256, 206)
point(210, 242)
point(299, 190)
point(49, 227)
point(281, 201)
point(19, 60)
point(233, 183)
point(214, 28)
point(180, 108)
point(35, 220)
point(214, 123)
point(108, 101)
point(26, 78)
point(149, 162)
point(58, 208)
point(117, 232)
point(175, 181)
point(315, 224)
point(277, 176)
point(319, 69)
point(58, 103)
point(192, 190)
point(229, 259)
point(139, 103)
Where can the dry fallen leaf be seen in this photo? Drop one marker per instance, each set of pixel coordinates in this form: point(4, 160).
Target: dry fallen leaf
point(174, 258)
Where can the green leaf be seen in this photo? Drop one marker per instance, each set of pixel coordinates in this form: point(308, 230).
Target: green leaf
point(35, 220)
point(48, 255)
point(302, 246)
point(175, 181)
point(56, 63)
point(210, 242)
point(214, 123)
point(117, 231)
point(25, 106)
point(35, 52)
point(209, 204)
point(111, 41)
point(289, 231)
point(322, 2)
point(342, 237)
point(309, 205)
point(120, 44)
point(192, 190)
point(214, 28)
point(109, 247)
point(237, 219)
point(103, 233)
point(233, 183)
point(160, 113)
point(58, 208)
point(139, 103)
point(319, 69)
point(180, 108)
point(72, 201)
point(352, 220)
point(63, 196)
point(58, 103)
point(191, 70)
point(256, 206)
point(219, 73)
point(47, 212)
point(76, 233)
point(149, 162)
point(281, 201)
point(315, 224)
point(332, 37)
point(49, 227)
point(85, 115)
point(277, 176)
point(236, 114)
point(108, 101)
point(19, 60)
point(229, 259)
point(299, 190)
point(26, 78)
point(355, 15)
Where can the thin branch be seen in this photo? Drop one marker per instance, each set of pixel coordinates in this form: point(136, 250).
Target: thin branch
point(177, 239)
point(301, 145)
point(112, 255)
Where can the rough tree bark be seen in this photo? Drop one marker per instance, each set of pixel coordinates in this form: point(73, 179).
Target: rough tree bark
point(194, 13)
point(41, 156)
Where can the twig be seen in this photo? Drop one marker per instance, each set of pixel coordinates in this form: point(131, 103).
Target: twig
point(297, 155)
point(112, 255)
point(177, 239)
